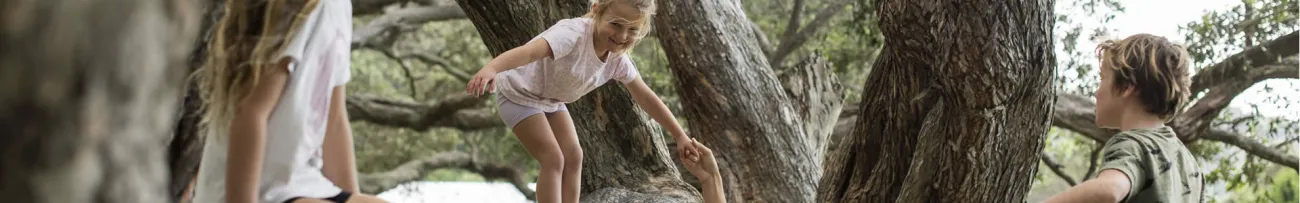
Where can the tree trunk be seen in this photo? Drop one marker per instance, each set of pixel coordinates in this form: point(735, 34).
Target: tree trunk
point(625, 155)
point(185, 149)
point(88, 97)
point(736, 105)
point(956, 109)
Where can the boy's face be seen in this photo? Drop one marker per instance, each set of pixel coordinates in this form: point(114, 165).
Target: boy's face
point(618, 28)
point(1110, 100)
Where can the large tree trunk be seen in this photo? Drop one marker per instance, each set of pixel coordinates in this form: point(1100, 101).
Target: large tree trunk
point(765, 143)
point(956, 109)
point(89, 96)
point(626, 157)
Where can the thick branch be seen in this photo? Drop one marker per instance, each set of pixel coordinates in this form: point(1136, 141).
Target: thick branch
point(402, 19)
point(1253, 147)
point(1198, 117)
point(1235, 66)
point(1058, 169)
point(414, 170)
point(455, 111)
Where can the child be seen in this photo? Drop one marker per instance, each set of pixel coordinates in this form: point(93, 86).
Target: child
point(565, 62)
point(1144, 83)
point(274, 105)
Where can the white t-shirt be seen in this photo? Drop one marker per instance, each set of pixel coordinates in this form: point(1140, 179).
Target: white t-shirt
point(291, 165)
point(573, 70)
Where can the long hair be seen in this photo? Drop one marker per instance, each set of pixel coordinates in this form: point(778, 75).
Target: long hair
point(646, 7)
point(250, 38)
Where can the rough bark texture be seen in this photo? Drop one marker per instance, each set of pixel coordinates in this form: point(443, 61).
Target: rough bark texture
point(625, 153)
point(625, 157)
point(88, 97)
point(736, 105)
point(955, 110)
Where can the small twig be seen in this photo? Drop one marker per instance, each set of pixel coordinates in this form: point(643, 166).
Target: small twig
point(1057, 168)
point(405, 69)
point(1092, 161)
point(440, 62)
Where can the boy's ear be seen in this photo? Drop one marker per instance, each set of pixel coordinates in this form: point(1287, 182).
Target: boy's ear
point(1129, 91)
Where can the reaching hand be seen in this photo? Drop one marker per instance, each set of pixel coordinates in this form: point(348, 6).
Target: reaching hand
point(483, 82)
point(687, 150)
point(704, 166)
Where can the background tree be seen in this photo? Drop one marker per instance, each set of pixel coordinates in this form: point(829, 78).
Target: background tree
point(79, 108)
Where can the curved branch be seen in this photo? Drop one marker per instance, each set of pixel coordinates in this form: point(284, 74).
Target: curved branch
point(1235, 66)
point(1058, 169)
point(455, 111)
point(1198, 117)
point(414, 170)
point(396, 20)
point(1253, 147)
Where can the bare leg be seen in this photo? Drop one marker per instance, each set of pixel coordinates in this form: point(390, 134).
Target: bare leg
point(535, 134)
point(562, 127)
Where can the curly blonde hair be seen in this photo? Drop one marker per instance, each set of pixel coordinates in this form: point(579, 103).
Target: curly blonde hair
point(1156, 67)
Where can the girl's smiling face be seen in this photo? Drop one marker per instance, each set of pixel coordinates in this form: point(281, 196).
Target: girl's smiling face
point(618, 28)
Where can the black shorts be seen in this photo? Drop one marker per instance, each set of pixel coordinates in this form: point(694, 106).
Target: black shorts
point(340, 198)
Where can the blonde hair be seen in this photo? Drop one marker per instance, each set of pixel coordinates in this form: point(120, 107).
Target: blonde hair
point(1156, 67)
point(647, 8)
point(248, 40)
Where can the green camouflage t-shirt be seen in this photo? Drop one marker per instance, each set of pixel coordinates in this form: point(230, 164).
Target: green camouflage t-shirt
point(1159, 167)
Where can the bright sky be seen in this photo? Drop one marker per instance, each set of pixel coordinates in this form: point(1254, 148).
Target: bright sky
point(1162, 17)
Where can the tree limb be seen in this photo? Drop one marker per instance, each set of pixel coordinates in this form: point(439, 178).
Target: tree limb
point(1058, 169)
point(791, 42)
point(1235, 66)
point(1253, 147)
point(796, 15)
point(1197, 118)
point(455, 111)
point(404, 19)
point(414, 170)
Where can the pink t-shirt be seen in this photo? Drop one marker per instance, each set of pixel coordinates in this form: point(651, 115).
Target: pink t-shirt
point(574, 69)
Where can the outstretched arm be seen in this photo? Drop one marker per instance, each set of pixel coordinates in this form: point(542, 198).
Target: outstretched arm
point(519, 56)
point(650, 102)
point(1109, 186)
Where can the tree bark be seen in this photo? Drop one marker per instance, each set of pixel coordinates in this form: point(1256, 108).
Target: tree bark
point(956, 109)
point(89, 96)
point(626, 157)
point(736, 105)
